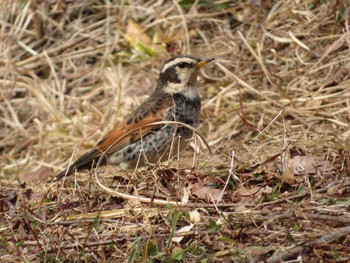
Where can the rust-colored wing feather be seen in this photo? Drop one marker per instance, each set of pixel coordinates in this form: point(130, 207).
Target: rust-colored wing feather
point(125, 133)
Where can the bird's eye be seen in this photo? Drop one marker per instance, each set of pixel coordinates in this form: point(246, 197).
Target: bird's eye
point(184, 65)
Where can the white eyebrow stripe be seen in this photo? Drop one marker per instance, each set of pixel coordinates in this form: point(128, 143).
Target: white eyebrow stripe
point(176, 61)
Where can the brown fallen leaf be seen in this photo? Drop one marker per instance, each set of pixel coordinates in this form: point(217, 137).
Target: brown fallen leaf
point(250, 230)
point(40, 175)
point(330, 48)
point(309, 164)
point(260, 250)
point(140, 40)
point(203, 190)
point(313, 103)
point(175, 41)
point(135, 33)
point(243, 191)
point(290, 178)
point(206, 193)
point(213, 181)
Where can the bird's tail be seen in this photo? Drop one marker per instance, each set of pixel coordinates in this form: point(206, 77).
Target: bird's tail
point(87, 161)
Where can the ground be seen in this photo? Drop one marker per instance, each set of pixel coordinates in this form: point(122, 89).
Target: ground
point(273, 184)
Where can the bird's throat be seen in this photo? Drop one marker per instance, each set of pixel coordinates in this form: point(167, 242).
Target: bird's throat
point(190, 92)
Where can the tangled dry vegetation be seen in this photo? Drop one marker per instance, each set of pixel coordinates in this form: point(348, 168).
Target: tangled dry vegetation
point(276, 109)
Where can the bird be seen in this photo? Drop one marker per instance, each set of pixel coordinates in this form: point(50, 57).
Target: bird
point(135, 142)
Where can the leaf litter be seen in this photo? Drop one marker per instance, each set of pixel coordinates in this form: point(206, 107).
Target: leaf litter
point(277, 96)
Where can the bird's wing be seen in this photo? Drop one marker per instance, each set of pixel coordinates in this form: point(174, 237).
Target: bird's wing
point(125, 133)
point(135, 127)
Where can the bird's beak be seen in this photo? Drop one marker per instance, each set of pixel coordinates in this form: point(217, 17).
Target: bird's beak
point(203, 62)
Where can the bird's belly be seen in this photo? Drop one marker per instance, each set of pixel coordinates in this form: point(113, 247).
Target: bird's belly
point(159, 146)
point(162, 144)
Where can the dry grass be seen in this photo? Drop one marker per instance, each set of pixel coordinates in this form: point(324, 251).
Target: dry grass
point(276, 109)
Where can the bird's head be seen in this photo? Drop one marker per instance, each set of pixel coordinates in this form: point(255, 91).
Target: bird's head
point(180, 73)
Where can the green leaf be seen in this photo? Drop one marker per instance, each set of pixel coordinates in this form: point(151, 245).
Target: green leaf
point(228, 240)
point(3, 243)
point(345, 202)
point(187, 4)
point(152, 249)
point(177, 254)
point(20, 244)
point(175, 219)
point(271, 197)
point(343, 15)
point(213, 226)
point(145, 50)
point(289, 237)
point(135, 255)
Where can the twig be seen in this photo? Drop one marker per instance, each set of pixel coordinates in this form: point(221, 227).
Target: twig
point(295, 252)
point(228, 178)
point(113, 240)
point(338, 219)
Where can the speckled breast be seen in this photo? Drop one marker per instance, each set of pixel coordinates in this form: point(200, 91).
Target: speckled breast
point(161, 144)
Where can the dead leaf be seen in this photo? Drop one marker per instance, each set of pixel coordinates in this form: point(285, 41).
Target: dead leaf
point(40, 175)
point(250, 230)
point(168, 173)
point(267, 190)
point(182, 229)
point(140, 40)
point(22, 231)
point(195, 217)
point(178, 35)
point(296, 152)
point(245, 192)
point(308, 164)
point(328, 49)
point(213, 181)
point(288, 177)
point(260, 250)
point(313, 103)
point(346, 136)
point(204, 191)
point(134, 33)
point(186, 196)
